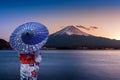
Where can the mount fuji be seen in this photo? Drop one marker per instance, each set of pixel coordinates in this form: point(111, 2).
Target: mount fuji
point(71, 30)
point(72, 37)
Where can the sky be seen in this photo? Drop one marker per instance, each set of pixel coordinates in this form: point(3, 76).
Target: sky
point(56, 14)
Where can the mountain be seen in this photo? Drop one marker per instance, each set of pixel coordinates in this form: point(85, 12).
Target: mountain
point(71, 30)
point(4, 45)
point(71, 37)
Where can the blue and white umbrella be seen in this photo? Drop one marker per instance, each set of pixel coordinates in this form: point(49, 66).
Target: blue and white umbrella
point(29, 37)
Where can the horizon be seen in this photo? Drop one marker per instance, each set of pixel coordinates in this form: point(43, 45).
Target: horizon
point(56, 14)
point(83, 30)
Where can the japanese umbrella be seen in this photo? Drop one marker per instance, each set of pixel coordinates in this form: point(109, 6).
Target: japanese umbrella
point(29, 37)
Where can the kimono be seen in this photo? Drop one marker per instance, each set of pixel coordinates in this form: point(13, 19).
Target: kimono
point(29, 65)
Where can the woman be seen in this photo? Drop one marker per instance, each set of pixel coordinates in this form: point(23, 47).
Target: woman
point(29, 65)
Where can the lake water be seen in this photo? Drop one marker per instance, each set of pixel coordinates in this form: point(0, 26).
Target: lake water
point(67, 65)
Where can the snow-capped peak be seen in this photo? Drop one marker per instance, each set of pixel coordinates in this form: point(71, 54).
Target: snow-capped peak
point(71, 30)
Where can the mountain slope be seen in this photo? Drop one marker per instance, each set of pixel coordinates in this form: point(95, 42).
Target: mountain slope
point(78, 39)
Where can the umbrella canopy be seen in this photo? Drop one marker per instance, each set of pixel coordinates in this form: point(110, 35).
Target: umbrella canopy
point(29, 37)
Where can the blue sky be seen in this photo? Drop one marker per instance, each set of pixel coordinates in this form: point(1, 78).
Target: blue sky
point(57, 13)
point(57, 5)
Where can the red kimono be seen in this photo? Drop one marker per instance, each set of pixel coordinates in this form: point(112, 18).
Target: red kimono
point(29, 65)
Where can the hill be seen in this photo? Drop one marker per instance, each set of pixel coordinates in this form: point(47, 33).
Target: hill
point(4, 45)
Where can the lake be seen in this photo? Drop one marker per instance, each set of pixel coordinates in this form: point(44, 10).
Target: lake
point(66, 65)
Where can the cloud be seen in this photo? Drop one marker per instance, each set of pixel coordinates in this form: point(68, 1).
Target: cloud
point(93, 27)
point(87, 28)
point(80, 26)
